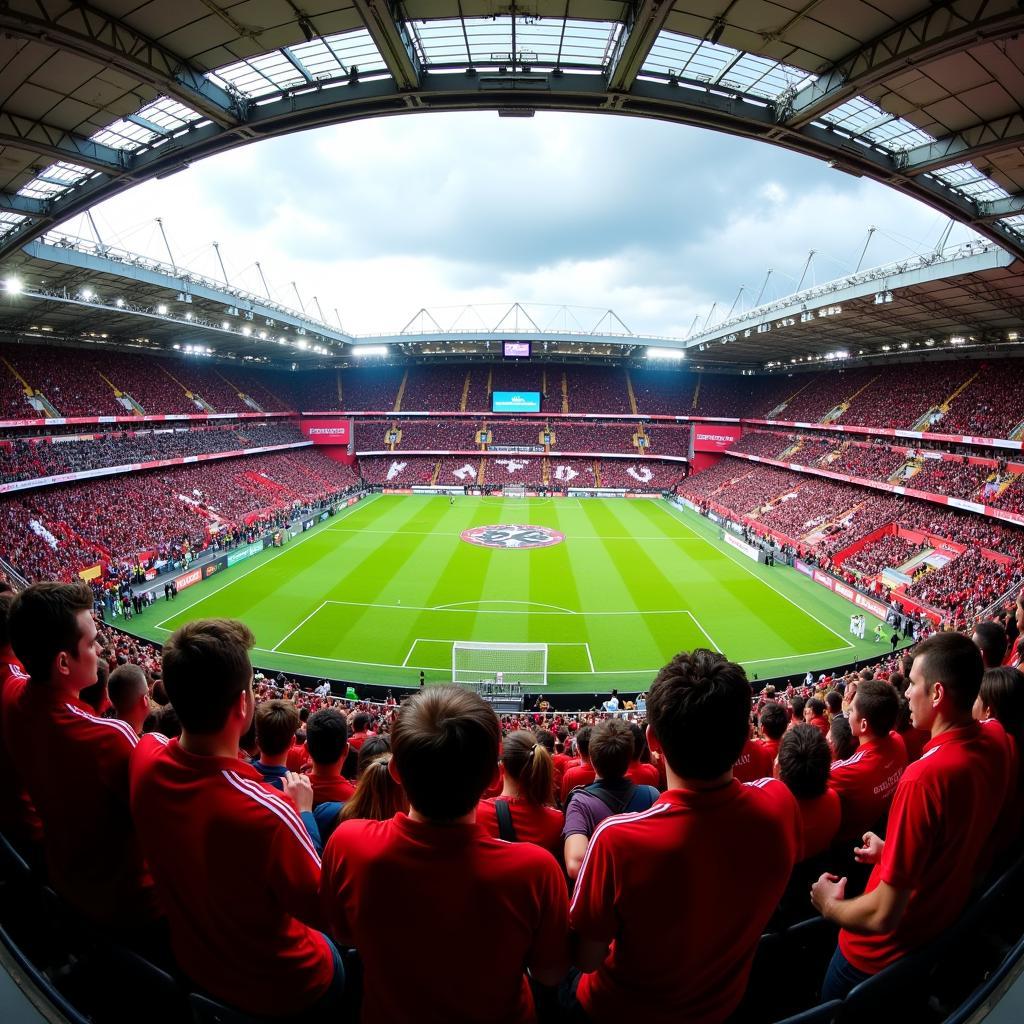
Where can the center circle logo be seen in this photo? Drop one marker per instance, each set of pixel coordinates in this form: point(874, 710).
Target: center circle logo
point(514, 536)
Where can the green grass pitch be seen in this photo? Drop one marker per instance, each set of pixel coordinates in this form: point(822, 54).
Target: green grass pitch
point(380, 591)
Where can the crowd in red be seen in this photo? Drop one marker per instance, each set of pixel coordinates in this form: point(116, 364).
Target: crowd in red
point(886, 552)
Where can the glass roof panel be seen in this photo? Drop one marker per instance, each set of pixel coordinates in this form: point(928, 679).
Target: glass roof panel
point(864, 119)
point(548, 42)
point(685, 57)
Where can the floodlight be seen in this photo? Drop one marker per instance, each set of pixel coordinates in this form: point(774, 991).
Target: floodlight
point(87, 293)
point(673, 354)
point(224, 325)
point(119, 303)
point(246, 331)
point(302, 344)
point(13, 285)
point(370, 350)
point(162, 309)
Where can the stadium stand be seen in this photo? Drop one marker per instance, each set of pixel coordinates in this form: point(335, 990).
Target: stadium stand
point(438, 435)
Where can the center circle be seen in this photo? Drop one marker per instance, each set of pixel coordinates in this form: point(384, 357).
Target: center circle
point(512, 536)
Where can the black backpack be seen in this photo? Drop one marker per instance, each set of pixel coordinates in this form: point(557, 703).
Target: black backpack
point(630, 798)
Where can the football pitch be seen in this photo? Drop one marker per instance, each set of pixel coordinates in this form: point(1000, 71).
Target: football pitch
point(615, 587)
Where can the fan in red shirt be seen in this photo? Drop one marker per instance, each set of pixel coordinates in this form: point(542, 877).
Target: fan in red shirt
point(803, 765)
point(18, 818)
point(755, 762)
point(867, 780)
point(73, 764)
point(327, 742)
point(524, 812)
point(231, 858)
point(423, 891)
point(814, 714)
point(1000, 710)
point(582, 774)
point(774, 721)
point(940, 823)
point(641, 772)
point(681, 869)
point(360, 730)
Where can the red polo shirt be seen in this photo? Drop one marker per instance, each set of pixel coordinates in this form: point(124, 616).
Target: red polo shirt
point(559, 763)
point(337, 788)
point(296, 758)
point(643, 775)
point(75, 768)
point(681, 871)
point(772, 749)
point(238, 875)
point(866, 782)
point(942, 815)
point(753, 762)
point(533, 824)
point(820, 818)
point(581, 775)
point(18, 818)
point(420, 900)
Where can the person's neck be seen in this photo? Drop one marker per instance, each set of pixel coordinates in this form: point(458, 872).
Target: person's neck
point(135, 721)
point(274, 760)
point(697, 785)
point(220, 744)
point(326, 771)
point(466, 819)
point(510, 788)
point(944, 723)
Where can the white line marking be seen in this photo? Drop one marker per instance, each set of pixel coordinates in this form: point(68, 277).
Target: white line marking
point(666, 507)
point(569, 537)
point(485, 611)
point(707, 635)
point(589, 657)
point(457, 605)
point(290, 547)
point(405, 661)
point(299, 626)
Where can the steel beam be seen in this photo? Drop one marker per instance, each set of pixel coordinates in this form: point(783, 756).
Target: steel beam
point(87, 32)
point(997, 209)
point(979, 140)
point(644, 20)
point(389, 34)
point(47, 140)
point(945, 28)
point(36, 209)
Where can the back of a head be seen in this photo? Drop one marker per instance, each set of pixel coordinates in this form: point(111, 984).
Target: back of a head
point(205, 669)
point(641, 752)
point(774, 720)
point(1002, 691)
point(527, 761)
point(126, 686)
point(841, 737)
point(878, 703)
point(611, 749)
point(445, 742)
point(804, 761)
point(546, 739)
point(699, 710)
point(378, 796)
point(991, 640)
point(953, 660)
point(44, 621)
point(326, 736)
point(583, 741)
point(796, 708)
point(371, 749)
point(817, 706)
point(360, 722)
point(276, 722)
point(834, 702)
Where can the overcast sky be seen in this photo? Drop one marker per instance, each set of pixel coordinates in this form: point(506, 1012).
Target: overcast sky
point(654, 221)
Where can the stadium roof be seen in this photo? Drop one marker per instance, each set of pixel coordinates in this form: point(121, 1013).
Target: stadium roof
point(923, 96)
point(967, 298)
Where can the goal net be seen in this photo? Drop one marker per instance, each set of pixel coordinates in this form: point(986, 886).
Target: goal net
point(499, 664)
point(514, 490)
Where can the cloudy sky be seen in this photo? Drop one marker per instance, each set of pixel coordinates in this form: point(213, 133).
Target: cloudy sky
point(654, 221)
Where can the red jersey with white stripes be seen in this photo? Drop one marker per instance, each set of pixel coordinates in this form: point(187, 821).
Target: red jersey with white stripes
point(237, 874)
point(682, 871)
point(866, 782)
point(75, 768)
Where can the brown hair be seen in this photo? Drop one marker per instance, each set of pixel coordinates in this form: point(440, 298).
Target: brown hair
point(276, 722)
point(879, 704)
point(611, 748)
point(953, 660)
point(205, 668)
point(377, 796)
point(527, 761)
point(43, 622)
point(445, 742)
point(1002, 691)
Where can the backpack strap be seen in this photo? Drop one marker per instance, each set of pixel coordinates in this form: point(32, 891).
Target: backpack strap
point(506, 829)
point(642, 798)
point(615, 802)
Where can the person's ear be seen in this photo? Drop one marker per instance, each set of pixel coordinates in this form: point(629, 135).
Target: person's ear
point(653, 742)
point(393, 771)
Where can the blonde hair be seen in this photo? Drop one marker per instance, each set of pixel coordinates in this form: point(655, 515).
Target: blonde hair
point(377, 796)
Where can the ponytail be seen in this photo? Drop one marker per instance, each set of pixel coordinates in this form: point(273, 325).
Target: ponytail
point(529, 764)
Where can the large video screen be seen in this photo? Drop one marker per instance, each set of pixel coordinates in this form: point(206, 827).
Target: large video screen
point(516, 349)
point(515, 401)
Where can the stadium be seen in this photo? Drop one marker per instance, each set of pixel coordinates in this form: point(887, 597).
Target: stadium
point(736, 609)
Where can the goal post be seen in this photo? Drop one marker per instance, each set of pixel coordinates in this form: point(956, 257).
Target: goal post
point(514, 491)
point(524, 665)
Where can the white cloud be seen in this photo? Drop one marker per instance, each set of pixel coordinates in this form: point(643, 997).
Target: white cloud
point(381, 218)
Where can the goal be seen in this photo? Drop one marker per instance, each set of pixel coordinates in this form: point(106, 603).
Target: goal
point(499, 664)
point(514, 491)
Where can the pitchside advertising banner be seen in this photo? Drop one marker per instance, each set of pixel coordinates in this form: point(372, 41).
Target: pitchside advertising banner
point(715, 437)
point(876, 608)
point(336, 432)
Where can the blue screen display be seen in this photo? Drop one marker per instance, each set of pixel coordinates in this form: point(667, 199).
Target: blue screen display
point(515, 401)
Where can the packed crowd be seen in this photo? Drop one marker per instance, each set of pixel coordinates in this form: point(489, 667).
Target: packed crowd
point(966, 584)
point(53, 532)
point(886, 552)
point(437, 434)
point(28, 460)
point(959, 479)
point(159, 798)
